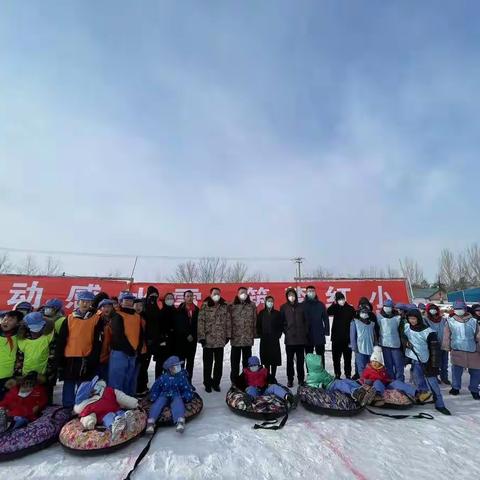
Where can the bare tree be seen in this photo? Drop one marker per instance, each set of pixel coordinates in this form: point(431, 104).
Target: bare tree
point(185, 273)
point(322, 272)
point(463, 272)
point(212, 269)
point(473, 259)
point(6, 265)
point(447, 272)
point(29, 266)
point(53, 266)
point(392, 272)
point(412, 270)
point(114, 273)
point(236, 273)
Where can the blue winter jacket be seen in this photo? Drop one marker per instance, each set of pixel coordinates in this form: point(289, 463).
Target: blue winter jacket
point(168, 385)
point(317, 320)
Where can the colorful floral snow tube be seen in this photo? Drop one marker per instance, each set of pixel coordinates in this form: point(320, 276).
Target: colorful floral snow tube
point(333, 403)
point(192, 409)
point(76, 439)
point(396, 400)
point(264, 407)
point(36, 435)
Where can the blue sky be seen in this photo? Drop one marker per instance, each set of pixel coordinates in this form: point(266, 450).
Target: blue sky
point(346, 132)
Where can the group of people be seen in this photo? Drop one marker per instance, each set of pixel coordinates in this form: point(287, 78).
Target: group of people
point(102, 350)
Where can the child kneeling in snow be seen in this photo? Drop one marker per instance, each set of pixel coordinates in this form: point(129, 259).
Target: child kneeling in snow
point(23, 403)
point(318, 377)
point(256, 381)
point(375, 374)
point(95, 403)
point(172, 388)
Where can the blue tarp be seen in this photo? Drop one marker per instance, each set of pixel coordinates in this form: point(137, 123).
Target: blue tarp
point(470, 295)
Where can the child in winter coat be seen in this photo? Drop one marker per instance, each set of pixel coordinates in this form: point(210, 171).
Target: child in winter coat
point(389, 328)
point(462, 338)
point(376, 374)
point(362, 336)
point(107, 312)
point(172, 388)
point(318, 377)
point(9, 355)
point(52, 310)
point(36, 343)
point(437, 322)
point(258, 381)
point(23, 403)
point(423, 349)
point(95, 403)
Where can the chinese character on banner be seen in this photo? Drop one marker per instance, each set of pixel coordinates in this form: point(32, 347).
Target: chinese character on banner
point(301, 293)
point(178, 295)
point(21, 292)
point(258, 295)
point(76, 289)
point(330, 294)
point(381, 296)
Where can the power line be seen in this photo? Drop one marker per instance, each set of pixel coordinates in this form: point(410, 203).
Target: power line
point(134, 255)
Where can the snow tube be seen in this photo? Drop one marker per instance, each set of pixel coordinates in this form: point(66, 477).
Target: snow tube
point(324, 402)
point(264, 407)
point(395, 400)
point(76, 439)
point(192, 409)
point(36, 435)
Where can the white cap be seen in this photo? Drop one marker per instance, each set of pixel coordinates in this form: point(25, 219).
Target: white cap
point(377, 355)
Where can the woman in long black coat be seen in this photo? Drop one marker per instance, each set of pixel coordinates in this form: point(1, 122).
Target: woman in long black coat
point(269, 329)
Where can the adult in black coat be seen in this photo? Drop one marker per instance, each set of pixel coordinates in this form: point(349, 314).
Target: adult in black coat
point(163, 343)
point(185, 332)
point(318, 323)
point(343, 314)
point(269, 329)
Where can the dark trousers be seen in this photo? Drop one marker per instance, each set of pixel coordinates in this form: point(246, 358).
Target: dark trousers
point(297, 351)
point(319, 350)
point(340, 349)
point(235, 353)
point(272, 370)
point(143, 363)
point(188, 356)
point(212, 357)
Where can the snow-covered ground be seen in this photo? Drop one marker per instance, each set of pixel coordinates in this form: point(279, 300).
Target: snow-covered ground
point(221, 445)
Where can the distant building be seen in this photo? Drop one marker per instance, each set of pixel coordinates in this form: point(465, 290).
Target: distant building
point(427, 295)
point(469, 295)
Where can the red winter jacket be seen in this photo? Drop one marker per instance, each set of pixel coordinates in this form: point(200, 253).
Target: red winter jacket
point(17, 406)
point(371, 374)
point(108, 403)
point(256, 379)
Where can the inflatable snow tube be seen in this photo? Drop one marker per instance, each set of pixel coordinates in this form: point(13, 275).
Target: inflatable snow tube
point(324, 402)
point(192, 409)
point(76, 439)
point(263, 407)
point(394, 399)
point(36, 435)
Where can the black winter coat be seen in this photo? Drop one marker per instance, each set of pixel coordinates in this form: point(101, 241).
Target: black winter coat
point(183, 327)
point(317, 320)
point(269, 329)
point(342, 318)
point(294, 324)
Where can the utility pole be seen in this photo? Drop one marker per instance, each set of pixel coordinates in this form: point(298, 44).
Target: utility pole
point(299, 261)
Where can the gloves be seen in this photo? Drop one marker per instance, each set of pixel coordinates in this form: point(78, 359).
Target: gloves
point(190, 338)
point(89, 421)
point(202, 343)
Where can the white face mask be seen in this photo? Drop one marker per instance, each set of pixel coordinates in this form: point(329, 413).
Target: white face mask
point(433, 311)
point(364, 315)
point(387, 309)
point(169, 302)
point(311, 295)
point(460, 312)
point(242, 296)
point(24, 393)
point(341, 302)
point(269, 304)
point(216, 297)
point(254, 368)
point(291, 298)
point(176, 369)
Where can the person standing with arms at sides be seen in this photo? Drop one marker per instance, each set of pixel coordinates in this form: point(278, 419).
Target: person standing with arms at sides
point(144, 357)
point(163, 336)
point(295, 327)
point(435, 320)
point(185, 332)
point(243, 313)
point(343, 313)
point(214, 328)
point(318, 323)
point(127, 343)
point(269, 329)
point(152, 319)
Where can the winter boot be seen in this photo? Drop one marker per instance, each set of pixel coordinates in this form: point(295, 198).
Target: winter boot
point(446, 381)
point(118, 426)
point(217, 388)
point(364, 395)
point(290, 384)
point(475, 395)
point(208, 389)
point(181, 425)
point(130, 419)
point(150, 430)
point(423, 397)
point(290, 400)
point(454, 391)
point(3, 420)
point(443, 410)
point(356, 377)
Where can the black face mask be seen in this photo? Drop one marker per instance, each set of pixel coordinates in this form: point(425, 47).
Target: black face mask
point(152, 299)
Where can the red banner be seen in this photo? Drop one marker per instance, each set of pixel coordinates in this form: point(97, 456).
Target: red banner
point(39, 289)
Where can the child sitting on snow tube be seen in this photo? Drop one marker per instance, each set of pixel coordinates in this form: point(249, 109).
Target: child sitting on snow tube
point(95, 403)
point(23, 403)
point(172, 388)
point(318, 377)
point(258, 381)
point(375, 374)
